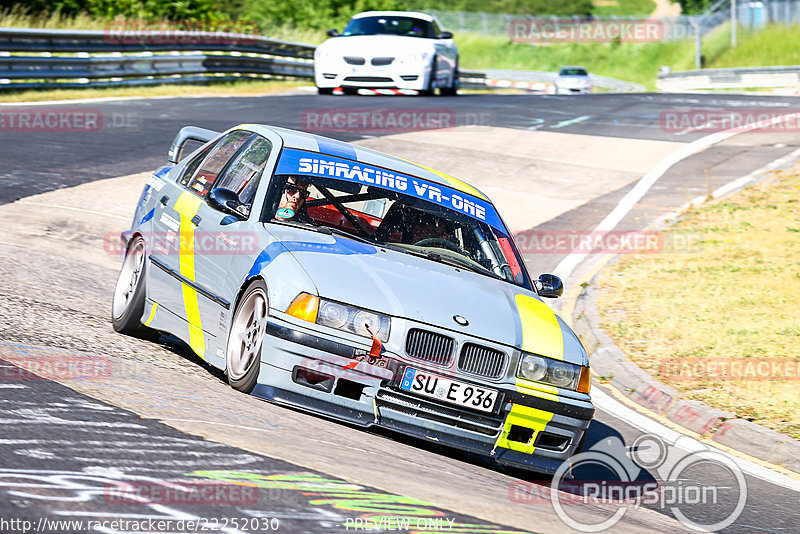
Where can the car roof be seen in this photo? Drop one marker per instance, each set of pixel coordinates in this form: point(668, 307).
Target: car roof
point(573, 67)
point(334, 147)
point(415, 14)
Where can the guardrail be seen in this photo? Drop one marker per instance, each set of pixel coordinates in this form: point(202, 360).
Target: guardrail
point(735, 78)
point(92, 58)
point(64, 41)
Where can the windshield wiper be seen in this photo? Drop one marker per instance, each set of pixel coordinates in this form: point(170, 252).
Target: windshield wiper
point(330, 230)
point(449, 260)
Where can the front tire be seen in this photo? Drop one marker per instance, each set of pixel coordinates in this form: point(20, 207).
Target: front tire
point(127, 306)
point(431, 87)
point(325, 90)
point(243, 351)
point(453, 89)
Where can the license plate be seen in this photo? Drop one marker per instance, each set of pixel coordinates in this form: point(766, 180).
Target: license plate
point(447, 390)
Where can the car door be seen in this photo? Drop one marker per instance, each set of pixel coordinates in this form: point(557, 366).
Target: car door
point(174, 277)
point(163, 286)
point(221, 238)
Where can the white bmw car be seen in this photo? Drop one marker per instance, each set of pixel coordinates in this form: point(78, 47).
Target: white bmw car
point(388, 49)
point(573, 80)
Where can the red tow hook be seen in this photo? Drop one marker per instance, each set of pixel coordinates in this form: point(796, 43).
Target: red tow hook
point(377, 346)
point(374, 351)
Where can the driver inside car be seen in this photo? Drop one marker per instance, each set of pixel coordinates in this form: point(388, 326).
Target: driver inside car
point(294, 194)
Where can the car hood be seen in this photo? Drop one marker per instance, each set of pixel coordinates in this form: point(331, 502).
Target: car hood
point(376, 45)
point(414, 288)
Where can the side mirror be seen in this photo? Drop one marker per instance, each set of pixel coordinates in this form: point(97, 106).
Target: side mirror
point(333, 32)
point(549, 286)
point(445, 35)
point(227, 201)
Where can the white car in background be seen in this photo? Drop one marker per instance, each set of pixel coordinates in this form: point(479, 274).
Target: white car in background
point(572, 80)
point(388, 49)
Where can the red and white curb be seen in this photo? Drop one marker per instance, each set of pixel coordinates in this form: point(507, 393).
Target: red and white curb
point(535, 87)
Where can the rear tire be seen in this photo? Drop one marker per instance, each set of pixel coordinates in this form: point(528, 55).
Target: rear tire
point(243, 350)
point(127, 306)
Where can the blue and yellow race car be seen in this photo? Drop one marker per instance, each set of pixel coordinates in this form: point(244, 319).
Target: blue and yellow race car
point(347, 282)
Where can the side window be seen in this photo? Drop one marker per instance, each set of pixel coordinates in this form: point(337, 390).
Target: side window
point(203, 179)
point(436, 29)
point(244, 173)
point(191, 167)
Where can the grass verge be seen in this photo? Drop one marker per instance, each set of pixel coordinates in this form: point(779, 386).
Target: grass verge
point(242, 88)
point(704, 321)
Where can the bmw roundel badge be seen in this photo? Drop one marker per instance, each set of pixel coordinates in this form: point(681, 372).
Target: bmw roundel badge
point(460, 320)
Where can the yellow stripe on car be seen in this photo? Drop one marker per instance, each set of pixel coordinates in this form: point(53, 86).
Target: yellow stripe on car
point(152, 314)
point(542, 391)
point(525, 417)
point(187, 206)
point(541, 333)
point(455, 183)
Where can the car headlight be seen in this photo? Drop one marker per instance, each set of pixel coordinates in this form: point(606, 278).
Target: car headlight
point(415, 59)
point(553, 372)
point(340, 316)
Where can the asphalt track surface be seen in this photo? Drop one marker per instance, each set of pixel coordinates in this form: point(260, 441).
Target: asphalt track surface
point(62, 450)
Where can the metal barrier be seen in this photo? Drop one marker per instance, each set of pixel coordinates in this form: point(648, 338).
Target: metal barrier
point(735, 78)
point(91, 58)
point(66, 41)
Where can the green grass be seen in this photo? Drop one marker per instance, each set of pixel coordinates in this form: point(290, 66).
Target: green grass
point(774, 45)
point(632, 62)
point(623, 8)
point(707, 303)
point(636, 62)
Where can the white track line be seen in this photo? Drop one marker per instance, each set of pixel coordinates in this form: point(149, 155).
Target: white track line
point(744, 180)
point(572, 260)
point(622, 412)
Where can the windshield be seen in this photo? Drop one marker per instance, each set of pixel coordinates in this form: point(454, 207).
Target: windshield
point(573, 72)
point(394, 219)
point(390, 25)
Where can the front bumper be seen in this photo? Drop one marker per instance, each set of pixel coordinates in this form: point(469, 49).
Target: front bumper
point(365, 76)
point(572, 90)
point(304, 369)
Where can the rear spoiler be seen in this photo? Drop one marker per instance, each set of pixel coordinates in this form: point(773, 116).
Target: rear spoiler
point(189, 133)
